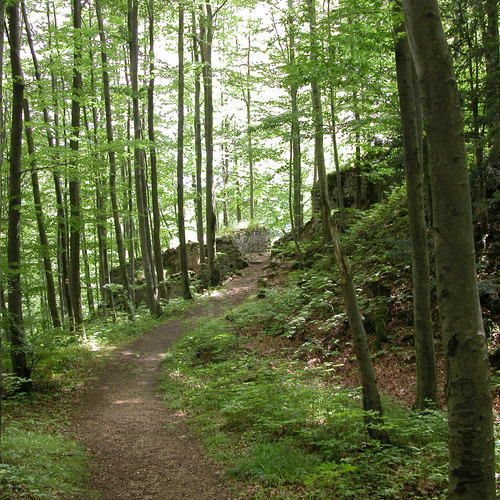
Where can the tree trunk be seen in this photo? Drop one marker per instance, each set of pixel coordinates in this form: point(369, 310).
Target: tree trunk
point(319, 155)
point(412, 134)
point(140, 181)
point(180, 161)
point(298, 208)
point(40, 220)
point(471, 442)
point(15, 310)
point(155, 201)
point(248, 105)
point(371, 398)
point(120, 245)
point(206, 23)
point(76, 221)
point(492, 57)
point(3, 305)
point(198, 145)
point(62, 228)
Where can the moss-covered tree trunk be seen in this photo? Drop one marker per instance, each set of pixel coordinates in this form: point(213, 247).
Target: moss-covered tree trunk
point(471, 443)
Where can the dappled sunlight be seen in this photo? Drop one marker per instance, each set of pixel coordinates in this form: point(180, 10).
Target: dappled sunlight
point(135, 401)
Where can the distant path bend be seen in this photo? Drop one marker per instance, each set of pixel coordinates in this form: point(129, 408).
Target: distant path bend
point(140, 449)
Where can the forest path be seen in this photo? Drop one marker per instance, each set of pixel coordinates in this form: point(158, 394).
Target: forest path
point(140, 449)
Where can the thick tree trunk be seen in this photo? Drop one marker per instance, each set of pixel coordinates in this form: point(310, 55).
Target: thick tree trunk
point(40, 221)
point(180, 162)
point(15, 310)
point(206, 23)
point(76, 221)
point(471, 442)
point(120, 245)
point(155, 201)
point(198, 145)
point(371, 398)
point(412, 134)
point(140, 181)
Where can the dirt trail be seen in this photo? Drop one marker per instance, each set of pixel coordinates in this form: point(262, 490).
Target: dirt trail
point(140, 449)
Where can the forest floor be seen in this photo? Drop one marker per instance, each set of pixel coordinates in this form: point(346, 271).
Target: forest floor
point(139, 448)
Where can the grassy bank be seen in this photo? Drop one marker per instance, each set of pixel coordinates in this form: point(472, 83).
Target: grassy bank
point(286, 427)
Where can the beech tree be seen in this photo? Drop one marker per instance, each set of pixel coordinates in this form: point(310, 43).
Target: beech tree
point(471, 468)
point(15, 309)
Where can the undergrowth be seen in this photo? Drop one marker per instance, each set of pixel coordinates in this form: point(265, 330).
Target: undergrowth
point(290, 428)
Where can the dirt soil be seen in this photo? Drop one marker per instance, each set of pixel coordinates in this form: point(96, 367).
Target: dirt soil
point(140, 449)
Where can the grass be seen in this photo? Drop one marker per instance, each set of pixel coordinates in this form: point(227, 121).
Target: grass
point(288, 429)
point(38, 459)
point(41, 465)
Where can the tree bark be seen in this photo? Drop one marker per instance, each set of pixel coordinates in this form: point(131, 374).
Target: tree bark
point(471, 442)
point(155, 201)
point(298, 208)
point(492, 57)
point(198, 145)
point(40, 221)
point(180, 161)
point(120, 245)
point(319, 155)
point(371, 397)
point(76, 221)
point(206, 25)
point(413, 154)
point(140, 181)
point(248, 105)
point(15, 309)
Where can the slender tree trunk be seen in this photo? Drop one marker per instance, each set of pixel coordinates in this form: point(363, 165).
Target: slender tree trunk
point(422, 315)
point(180, 161)
point(15, 310)
point(206, 56)
point(120, 245)
point(66, 302)
point(88, 279)
point(492, 57)
point(198, 145)
point(155, 201)
point(40, 220)
point(298, 209)
point(471, 441)
point(3, 305)
point(140, 180)
point(319, 155)
point(76, 221)
point(340, 192)
point(357, 154)
point(248, 105)
point(371, 398)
